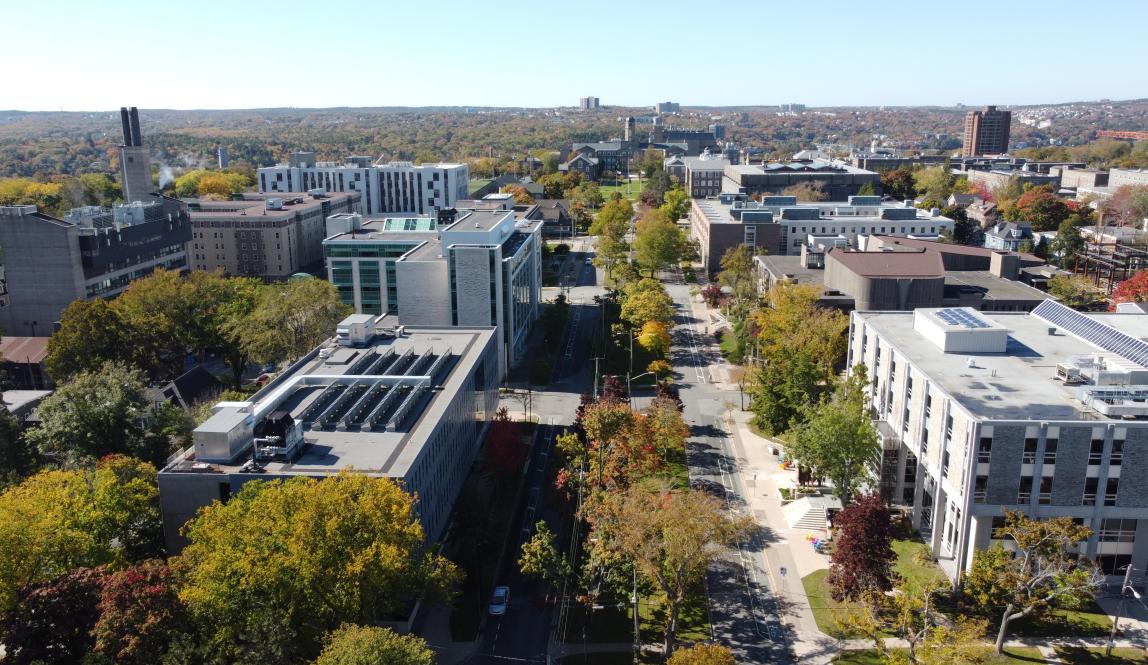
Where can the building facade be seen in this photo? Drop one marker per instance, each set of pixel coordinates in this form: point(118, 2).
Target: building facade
point(92, 253)
point(484, 269)
point(838, 180)
point(667, 107)
point(135, 163)
point(588, 103)
point(971, 427)
point(407, 404)
point(391, 188)
point(703, 175)
point(986, 132)
point(264, 235)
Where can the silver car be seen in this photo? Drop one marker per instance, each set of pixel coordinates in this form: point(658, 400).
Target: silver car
point(499, 601)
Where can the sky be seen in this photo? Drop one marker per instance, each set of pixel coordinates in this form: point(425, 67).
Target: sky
point(80, 55)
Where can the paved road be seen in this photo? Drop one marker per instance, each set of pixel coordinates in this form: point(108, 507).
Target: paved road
point(743, 611)
point(523, 633)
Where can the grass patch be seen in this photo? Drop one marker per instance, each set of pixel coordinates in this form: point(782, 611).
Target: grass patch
point(730, 349)
point(1088, 622)
point(476, 184)
point(693, 621)
point(1095, 656)
point(629, 189)
point(829, 614)
point(1009, 657)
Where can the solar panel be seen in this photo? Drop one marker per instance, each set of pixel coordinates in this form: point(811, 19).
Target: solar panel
point(960, 317)
point(1092, 331)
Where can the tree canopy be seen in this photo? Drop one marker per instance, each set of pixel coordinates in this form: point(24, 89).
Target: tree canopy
point(304, 556)
point(863, 557)
point(658, 242)
point(371, 645)
point(838, 440)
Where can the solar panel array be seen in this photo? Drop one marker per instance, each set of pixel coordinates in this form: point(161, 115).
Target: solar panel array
point(960, 317)
point(1092, 331)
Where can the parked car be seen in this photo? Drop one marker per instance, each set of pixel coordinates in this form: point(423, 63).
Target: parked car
point(499, 601)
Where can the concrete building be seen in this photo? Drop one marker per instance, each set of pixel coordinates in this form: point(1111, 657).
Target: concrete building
point(92, 253)
point(668, 107)
point(999, 178)
point(702, 176)
point(22, 360)
point(986, 132)
point(837, 179)
point(1071, 178)
point(410, 404)
point(271, 236)
point(484, 269)
point(588, 103)
point(135, 163)
point(979, 413)
point(1130, 177)
point(386, 188)
point(782, 226)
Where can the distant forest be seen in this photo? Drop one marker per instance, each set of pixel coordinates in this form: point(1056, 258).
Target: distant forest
point(50, 144)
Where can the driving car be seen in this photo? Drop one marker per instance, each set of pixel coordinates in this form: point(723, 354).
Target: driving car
point(499, 601)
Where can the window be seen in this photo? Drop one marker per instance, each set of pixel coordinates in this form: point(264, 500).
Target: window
point(1050, 451)
point(1117, 531)
point(1090, 487)
point(980, 489)
point(1095, 452)
point(1029, 456)
point(1045, 496)
point(984, 449)
point(945, 464)
point(1025, 493)
point(1110, 491)
point(1114, 564)
point(1117, 455)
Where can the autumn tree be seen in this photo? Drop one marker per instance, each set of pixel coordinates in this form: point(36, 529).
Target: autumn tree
point(646, 300)
point(655, 338)
point(838, 440)
point(703, 654)
point(1042, 569)
point(658, 242)
point(521, 196)
point(588, 195)
point(1076, 291)
point(541, 559)
point(1128, 206)
point(303, 556)
point(139, 613)
point(105, 412)
point(910, 615)
point(660, 368)
point(935, 183)
point(671, 537)
point(677, 204)
point(505, 452)
point(898, 183)
point(863, 555)
point(372, 645)
point(55, 521)
point(806, 192)
point(1039, 206)
point(1133, 289)
point(53, 620)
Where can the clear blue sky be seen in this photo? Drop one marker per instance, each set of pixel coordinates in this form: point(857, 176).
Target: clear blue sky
point(97, 55)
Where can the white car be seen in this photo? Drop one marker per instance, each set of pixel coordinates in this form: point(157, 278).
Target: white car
point(589, 262)
point(499, 601)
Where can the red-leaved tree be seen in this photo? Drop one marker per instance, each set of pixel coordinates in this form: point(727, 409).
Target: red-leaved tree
point(52, 623)
point(1133, 289)
point(139, 610)
point(863, 559)
point(505, 451)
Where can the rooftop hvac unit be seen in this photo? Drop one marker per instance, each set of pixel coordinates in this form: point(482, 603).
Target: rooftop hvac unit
point(274, 204)
point(318, 192)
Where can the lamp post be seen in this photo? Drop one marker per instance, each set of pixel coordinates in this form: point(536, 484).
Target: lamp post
point(629, 395)
point(1125, 587)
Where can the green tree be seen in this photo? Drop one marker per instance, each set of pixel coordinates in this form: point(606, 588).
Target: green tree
point(588, 194)
point(737, 274)
point(303, 556)
point(782, 389)
point(93, 332)
point(288, 320)
point(371, 645)
point(55, 521)
point(935, 183)
point(1076, 291)
point(838, 440)
point(658, 242)
point(677, 204)
point(102, 413)
point(670, 536)
point(1066, 244)
point(1042, 570)
point(703, 654)
point(17, 457)
point(646, 300)
point(541, 558)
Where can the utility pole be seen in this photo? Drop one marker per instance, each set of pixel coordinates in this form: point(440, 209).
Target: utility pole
point(595, 393)
point(1124, 588)
point(637, 628)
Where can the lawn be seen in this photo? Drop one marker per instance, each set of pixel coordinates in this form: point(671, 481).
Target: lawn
point(614, 622)
point(829, 613)
point(476, 184)
point(629, 190)
point(1079, 656)
point(1009, 657)
point(1090, 621)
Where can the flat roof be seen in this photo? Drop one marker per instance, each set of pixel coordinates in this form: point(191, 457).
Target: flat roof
point(254, 204)
point(890, 264)
point(1015, 385)
point(388, 230)
point(380, 452)
point(993, 287)
point(484, 220)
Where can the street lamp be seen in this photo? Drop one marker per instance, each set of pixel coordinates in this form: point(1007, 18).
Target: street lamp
point(629, 396)
point(1125, 587)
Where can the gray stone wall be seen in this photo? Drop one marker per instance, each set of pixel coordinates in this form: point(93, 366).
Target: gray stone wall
point(1071, 465)
point(1133, 491)
point(1004, 464)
